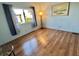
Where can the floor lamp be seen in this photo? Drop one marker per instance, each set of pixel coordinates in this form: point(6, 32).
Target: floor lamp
point(41, 14)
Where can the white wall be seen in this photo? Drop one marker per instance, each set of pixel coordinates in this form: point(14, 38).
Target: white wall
point(67, 23)
point(5, 35)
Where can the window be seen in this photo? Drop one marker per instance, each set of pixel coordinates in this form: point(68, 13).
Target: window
point(28, 16)
point(25, 16)
point(19, 15)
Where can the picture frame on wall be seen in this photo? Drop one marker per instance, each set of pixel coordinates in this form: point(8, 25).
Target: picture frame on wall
point(61, 9)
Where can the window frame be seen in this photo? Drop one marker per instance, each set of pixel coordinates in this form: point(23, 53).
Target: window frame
point(34, 14)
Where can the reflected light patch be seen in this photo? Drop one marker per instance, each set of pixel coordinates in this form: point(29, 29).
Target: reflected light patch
point(30, 46)
point(42, 40)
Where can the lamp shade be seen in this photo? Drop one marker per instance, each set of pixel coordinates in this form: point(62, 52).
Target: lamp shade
point(40, 13)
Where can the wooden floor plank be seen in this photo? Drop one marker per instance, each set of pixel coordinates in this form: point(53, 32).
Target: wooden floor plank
point(57, 50)
point(77, 45)
point(71, 45)
point(46, 42)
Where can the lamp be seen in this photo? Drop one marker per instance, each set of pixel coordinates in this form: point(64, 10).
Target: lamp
point(41, 14)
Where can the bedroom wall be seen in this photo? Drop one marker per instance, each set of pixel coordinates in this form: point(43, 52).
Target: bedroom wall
point(67, 23)
point(5, 35)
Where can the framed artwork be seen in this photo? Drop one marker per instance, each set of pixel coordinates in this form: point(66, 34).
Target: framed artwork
point(61, 9)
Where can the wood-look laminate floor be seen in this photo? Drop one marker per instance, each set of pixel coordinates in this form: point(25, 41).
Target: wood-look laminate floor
point(47, 42)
